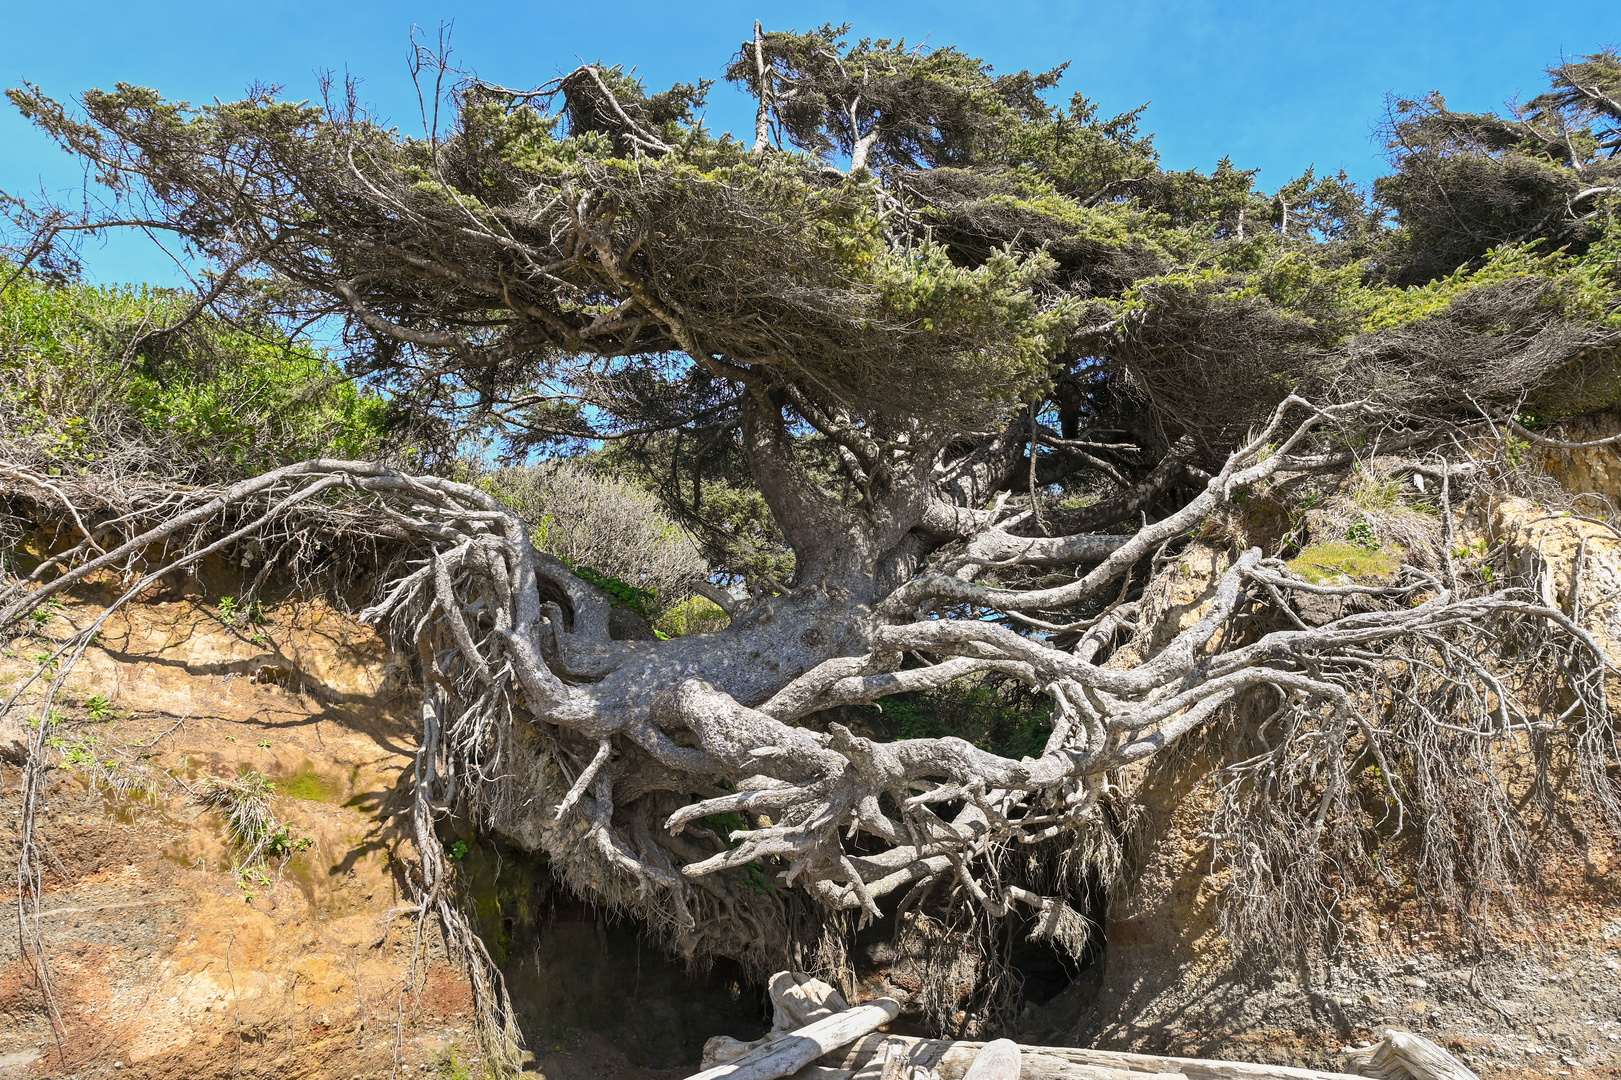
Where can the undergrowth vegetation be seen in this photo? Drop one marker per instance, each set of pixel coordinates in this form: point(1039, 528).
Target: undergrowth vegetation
point(255, 832)
point(995, 714)
point(609, 531)
point(130, 380)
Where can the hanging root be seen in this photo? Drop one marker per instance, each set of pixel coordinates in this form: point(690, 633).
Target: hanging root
point(1463, 737)
point(184, 530)
point(435, 898)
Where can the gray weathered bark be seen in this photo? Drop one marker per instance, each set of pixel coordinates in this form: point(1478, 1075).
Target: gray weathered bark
point(621, 757)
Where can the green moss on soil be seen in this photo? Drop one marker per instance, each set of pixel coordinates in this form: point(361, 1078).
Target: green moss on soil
point(1323, 564)
point(312, 786)
point(501, 884)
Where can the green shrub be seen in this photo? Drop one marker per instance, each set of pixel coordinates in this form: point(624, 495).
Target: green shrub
point(994, 714)
point(610, 532)
point(85, 383)
point(694, 615)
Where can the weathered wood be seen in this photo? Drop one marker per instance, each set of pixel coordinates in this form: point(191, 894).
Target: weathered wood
point(887, 1063)
point(822, 1072)
point(950, 1060)
point(997, 1060)
point(1073, 1072)
point(797, 999)
point(1401, 1055)
point(786, 1055)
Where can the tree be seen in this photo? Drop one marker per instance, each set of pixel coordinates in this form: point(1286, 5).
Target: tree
point(1467, 182)
point(987, 367)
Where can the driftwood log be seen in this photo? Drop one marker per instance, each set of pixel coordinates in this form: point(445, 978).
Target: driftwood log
point(1401, 1055)
point(889, 1063)
point(894, 1060)
point(816, 1036)
point(791, 1052)
point(999, 1060)
point(797, 1000)
point(950, 1060)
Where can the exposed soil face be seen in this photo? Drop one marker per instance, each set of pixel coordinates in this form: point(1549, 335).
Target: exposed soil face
point(1542, 1001)
point(167, 962)
point(1541, 997)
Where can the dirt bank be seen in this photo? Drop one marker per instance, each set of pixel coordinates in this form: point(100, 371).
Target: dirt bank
point(168, 959)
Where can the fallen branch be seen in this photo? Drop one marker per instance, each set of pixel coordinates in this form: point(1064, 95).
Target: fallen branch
point(787, 1055)
point(951, 1060)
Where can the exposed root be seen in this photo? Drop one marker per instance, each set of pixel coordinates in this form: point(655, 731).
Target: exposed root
point(673, 777)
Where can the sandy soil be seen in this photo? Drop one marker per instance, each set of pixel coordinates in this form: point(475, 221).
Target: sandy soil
point(165, 962)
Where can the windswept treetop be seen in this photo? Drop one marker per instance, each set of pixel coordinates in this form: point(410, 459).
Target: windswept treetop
point(942, 374)
point(910, 238)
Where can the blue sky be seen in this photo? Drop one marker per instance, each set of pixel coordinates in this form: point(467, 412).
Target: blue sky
point(1278, 86)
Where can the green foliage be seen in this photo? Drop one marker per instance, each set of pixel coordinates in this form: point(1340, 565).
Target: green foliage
point(608, 531)
point(1083, 155)
point(738, 533)
point(1585, 286)
point(103, 766)
point(621, 593)
point(252, 826)
point(88, 381)
point(1372, 494)
point(924, 287)
point(694, 615)
point(451, 1065)
point(879, 102)
point(1362, 535)
point(994, 715)
point(986, 248)
point(1467, 183)
point(755, 878)
point(726, 823)
point(77, 753)
point(282, 843)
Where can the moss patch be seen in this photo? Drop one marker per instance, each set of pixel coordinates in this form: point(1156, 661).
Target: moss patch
point(502, 883)
point(1323, 564)
point(312, 786)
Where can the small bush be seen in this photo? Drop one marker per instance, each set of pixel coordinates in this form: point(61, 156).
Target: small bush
point(1374, 494)
point(694, 615)
point(612, 533)
point(252, 825)
point(103, 766)
point(245, 802)
point(86, 384)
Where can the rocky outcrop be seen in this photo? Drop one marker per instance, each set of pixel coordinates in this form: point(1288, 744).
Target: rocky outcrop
point(1592, 474)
